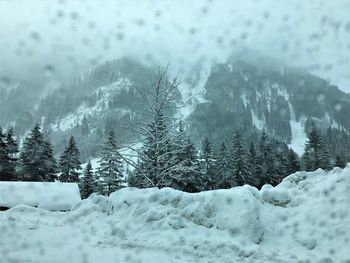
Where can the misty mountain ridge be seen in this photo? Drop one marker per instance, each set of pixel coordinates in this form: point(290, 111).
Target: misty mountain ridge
point(239, 94)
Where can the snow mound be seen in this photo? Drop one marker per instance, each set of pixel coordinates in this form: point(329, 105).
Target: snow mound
point(306, 218)
point(53, 196)
point(235, 210)
point(275, 196)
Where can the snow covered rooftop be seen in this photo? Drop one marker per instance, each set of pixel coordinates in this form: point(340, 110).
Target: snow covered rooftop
point(53, 196)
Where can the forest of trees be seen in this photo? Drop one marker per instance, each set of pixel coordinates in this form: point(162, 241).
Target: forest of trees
point(168, 157)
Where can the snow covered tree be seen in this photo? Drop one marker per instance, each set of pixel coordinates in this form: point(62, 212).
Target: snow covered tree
point(253, 178)
point(50, 167)
point(239, 162)
point(37, 162)
point(315, 152)
point(293, 162)
point(266, 163)
point(208, 164)
point(69, 162)
point(13, 152)
point(339, 161)
point(7, 171)
point(222, 168)
point(156, 164)
point(110, 170)
point(185, 175)
point(87, 184)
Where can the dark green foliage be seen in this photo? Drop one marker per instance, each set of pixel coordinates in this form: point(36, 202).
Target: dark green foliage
point(155, 154)
point(254, 176)
point(293, 162)
point(208, 165)
point(316, 153)
point(51, 164)
point(69, 163)
point(266, 162)
point(185, 172)
point(239, 162)
point(222, 170)
point(13, 154)
point(157, 159)
point(7, 172)
point(37, 162)
point(87, 184)
point(110, 170)
point(339, 161)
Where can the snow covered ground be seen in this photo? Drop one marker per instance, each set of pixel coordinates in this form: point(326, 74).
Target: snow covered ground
point(304, 219)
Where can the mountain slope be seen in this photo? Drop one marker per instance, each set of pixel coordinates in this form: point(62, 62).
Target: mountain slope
point(284, 101)
point(240, 95)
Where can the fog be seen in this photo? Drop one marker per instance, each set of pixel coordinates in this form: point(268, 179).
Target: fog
point(45, 42)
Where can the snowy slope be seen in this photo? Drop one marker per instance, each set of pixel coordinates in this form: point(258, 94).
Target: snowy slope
point(75, 118)
point(304, 219)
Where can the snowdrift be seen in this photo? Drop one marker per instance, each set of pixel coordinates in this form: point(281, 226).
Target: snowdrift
point(304, 219)
point(54, 196)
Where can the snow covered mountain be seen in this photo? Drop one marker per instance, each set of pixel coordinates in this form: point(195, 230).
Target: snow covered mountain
point(237, 95)
point(249, 95)
point(303, 219)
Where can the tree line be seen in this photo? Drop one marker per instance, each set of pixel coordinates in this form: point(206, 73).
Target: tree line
point(168, 157)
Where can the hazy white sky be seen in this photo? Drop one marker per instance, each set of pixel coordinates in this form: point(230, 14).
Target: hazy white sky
point(65, 37)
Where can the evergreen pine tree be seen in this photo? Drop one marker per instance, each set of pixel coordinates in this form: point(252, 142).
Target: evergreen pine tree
point(293, 162)
point(37, 162)
point(156, 163)
point(222, 168)
point(239, 162)
point(69, 162)
point(253, 178)
point(50, 167)
point(184, 172)
point(209, 180)
point(192, 179)
point(110, 170)
point(13, 152)
point(6, 169)
point(315, 152)
point(266, 163)
point(339, 161)
point(87, 184)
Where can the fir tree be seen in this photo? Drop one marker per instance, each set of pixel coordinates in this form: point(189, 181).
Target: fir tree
point(110, 170)
point(185, 172)
point(87, 184)
point(6, 169)
point(156, 163)
point(192, 176)
point(222, 169)
point(266, 162)
point(69, 163)
point(293, 162)
point(339, 161)
point(37, 162)
point(315, 152)
point(253, 178)
point(13, 153)
point(239, 162)
point(50, 167)
point(208, 165)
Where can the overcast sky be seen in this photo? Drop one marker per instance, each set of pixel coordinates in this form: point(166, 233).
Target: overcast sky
point(40, 39)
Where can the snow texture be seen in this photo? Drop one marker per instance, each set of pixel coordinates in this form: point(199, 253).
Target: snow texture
point(304, 219)
point(53, 196)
